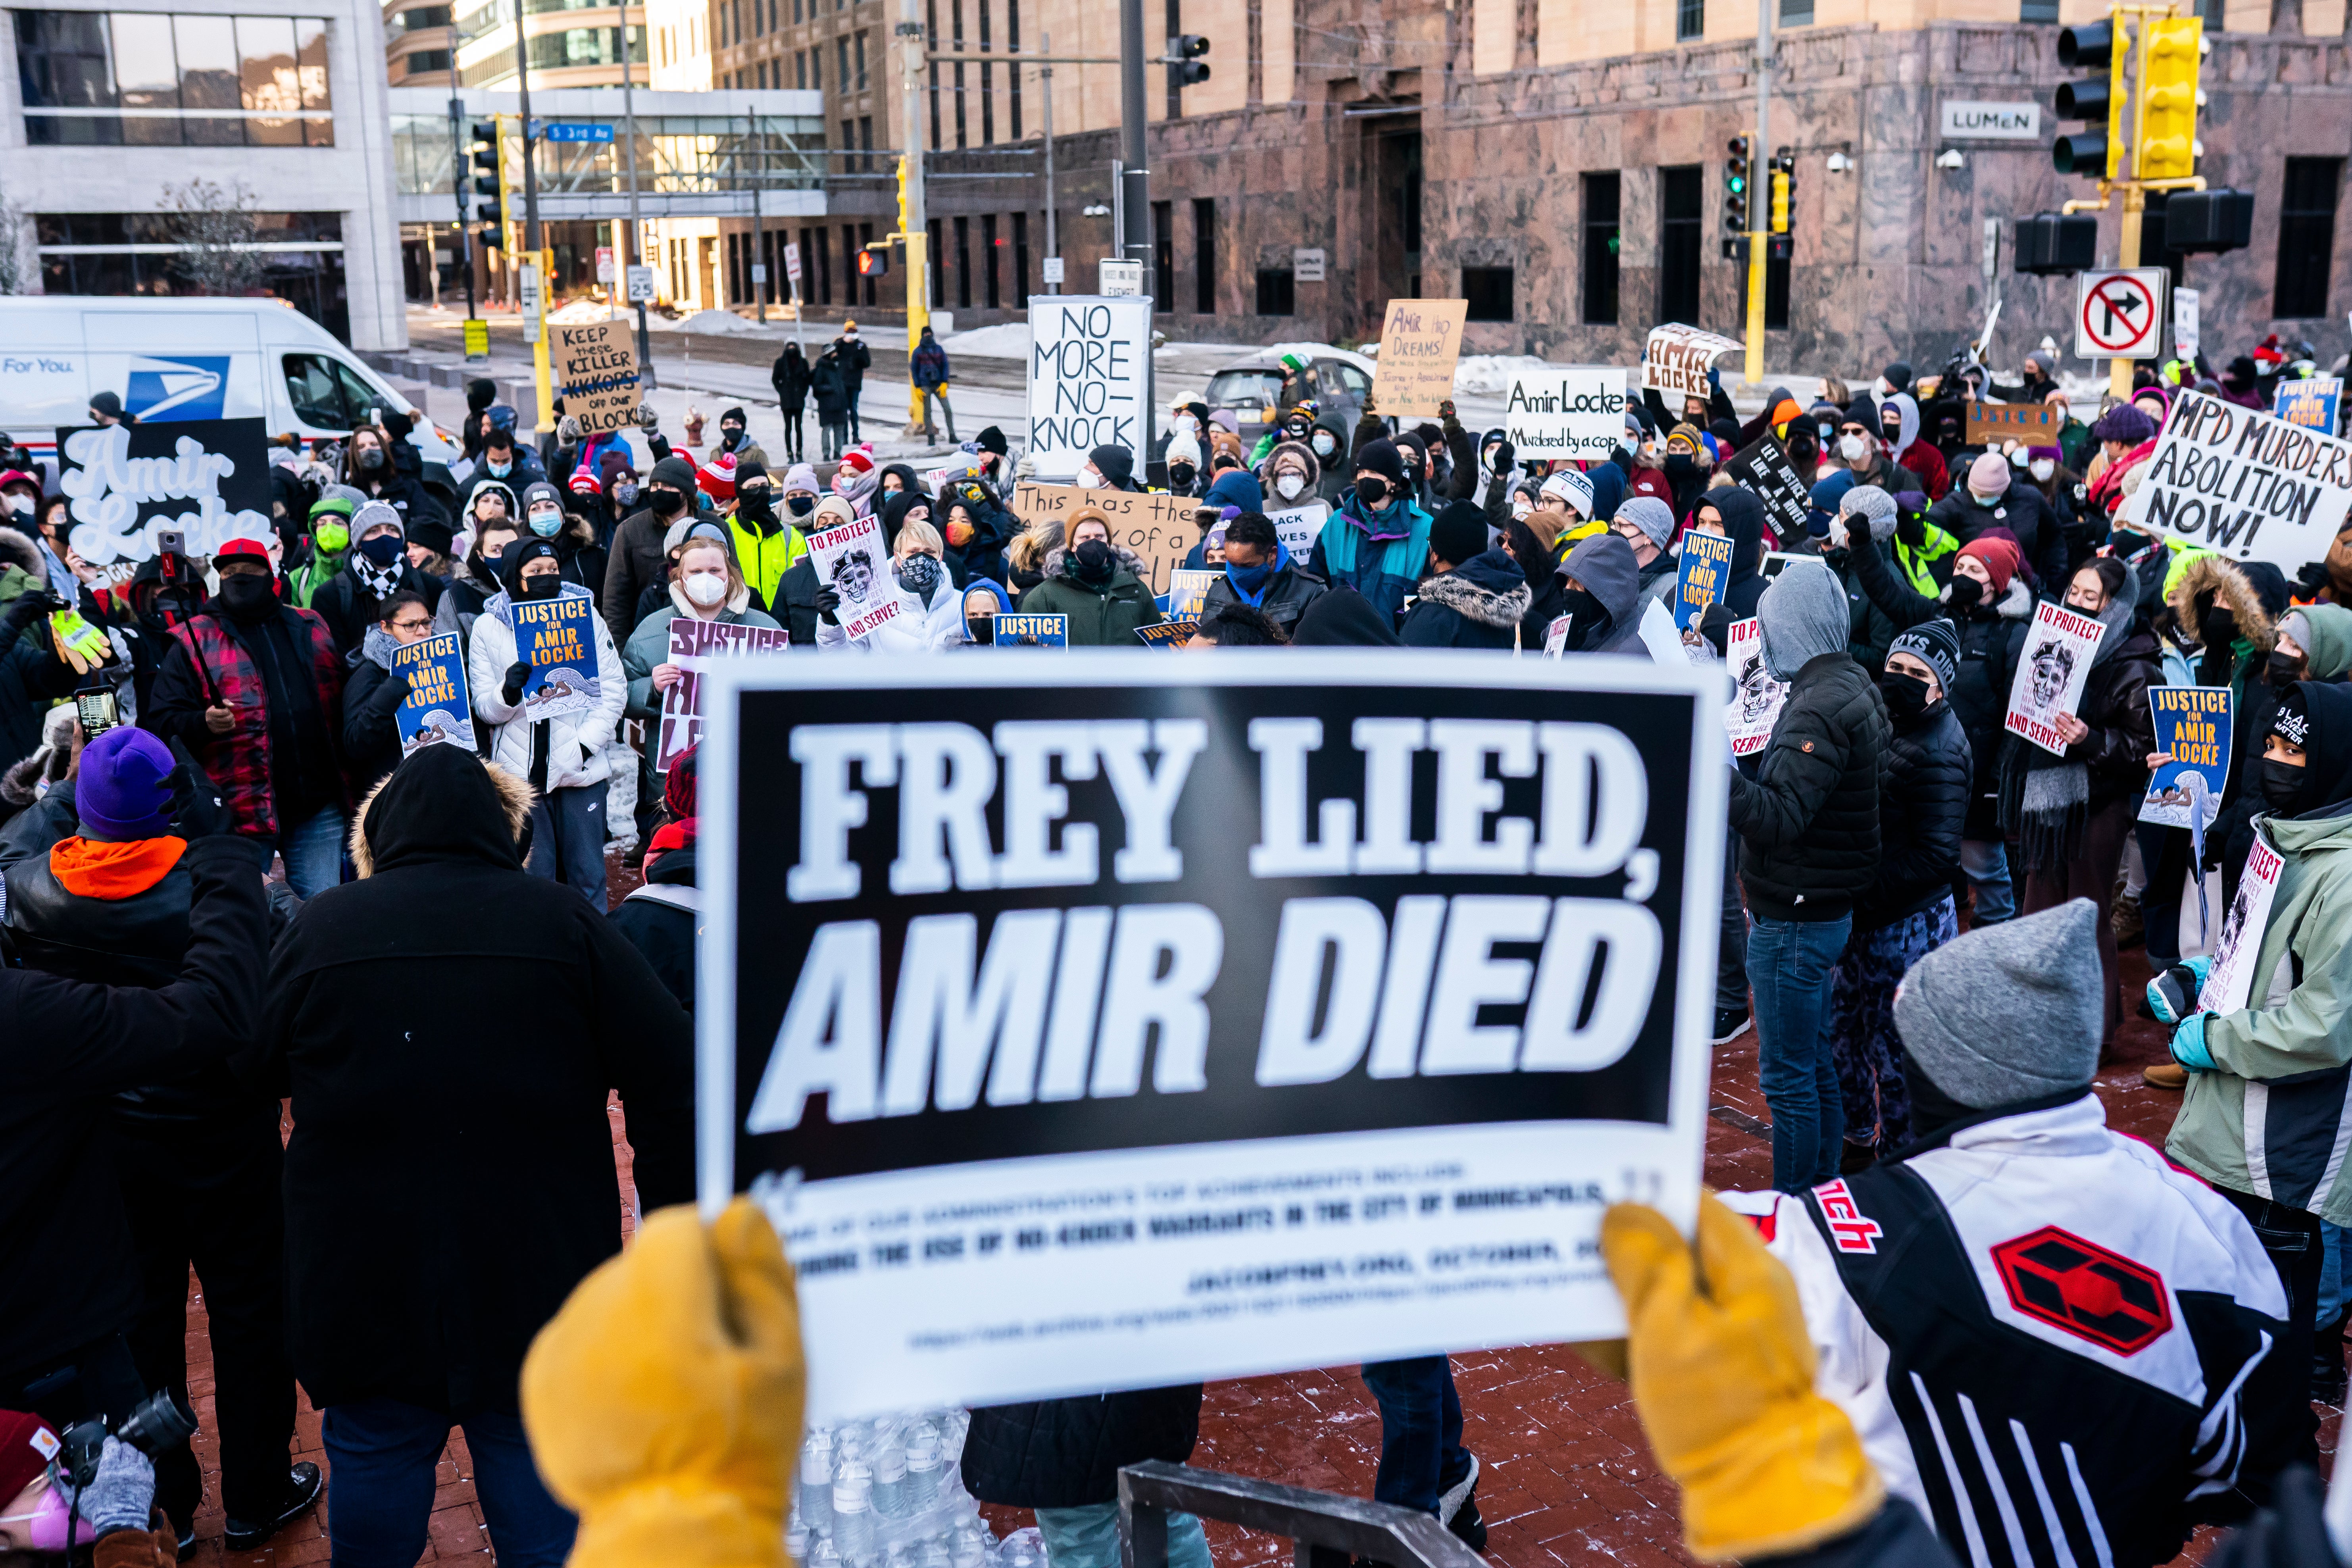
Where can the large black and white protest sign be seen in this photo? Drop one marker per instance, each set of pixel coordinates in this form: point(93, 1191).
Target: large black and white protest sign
point(1205, 1018)
point(2245, 483)
point(1763, 467)
point(208, 479)
point(1089, 359)
point(1566, 411)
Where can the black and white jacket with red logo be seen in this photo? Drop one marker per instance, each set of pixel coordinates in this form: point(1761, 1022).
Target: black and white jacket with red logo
point(2062, 1349)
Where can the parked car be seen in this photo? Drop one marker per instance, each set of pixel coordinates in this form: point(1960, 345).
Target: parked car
point(1262, 389)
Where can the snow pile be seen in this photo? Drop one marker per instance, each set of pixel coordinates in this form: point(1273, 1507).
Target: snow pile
point(578, 313)
point(708, 323)
point(1361, 360)
point(1490, 375)
point(1006, 339)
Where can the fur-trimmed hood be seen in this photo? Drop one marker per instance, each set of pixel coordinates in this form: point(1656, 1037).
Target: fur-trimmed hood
point(1489, 589)
point(514, 798)
point(1058, 557)
point(18, 549)
point(2221, 578)
point(1287, 455)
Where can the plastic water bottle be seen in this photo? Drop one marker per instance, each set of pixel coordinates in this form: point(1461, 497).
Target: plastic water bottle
point(922, 1467)
point(823, 1556)
point(816, 1482)
point(796, 1537)
point(968, 1552)
point(890, 1480)
point(1018, 1553)
point(853, 1520)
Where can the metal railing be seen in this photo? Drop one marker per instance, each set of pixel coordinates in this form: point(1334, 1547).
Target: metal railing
point(1327, 1529)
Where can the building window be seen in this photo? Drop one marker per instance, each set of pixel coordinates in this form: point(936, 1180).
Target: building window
point(1021, 258)
point(130, 78)
point(840, 51)
point(825, 266)
point(991, 294)
point(1690, 20)
point(963, 263)
point(816, 69)
point(861, 62)
point(931, 41)
point(1163, 250)
point(866, 142)
point(1488, 291)
point(134, 252)
point(936, 260)
point(800, 69)
point(420, 61)
point(1277, 291)
point(955, 17)
point(987, 84)
point(1600, 238)
point(2044, 11)
point(2306, 252)
point(1204, 254)
point(1796, 13)
point(1013, 46)
point(1682, 195)
point(848, 160)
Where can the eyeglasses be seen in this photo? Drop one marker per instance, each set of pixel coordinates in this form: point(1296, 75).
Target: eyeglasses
point(412, 626)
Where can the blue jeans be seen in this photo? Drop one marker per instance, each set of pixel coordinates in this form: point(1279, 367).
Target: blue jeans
point(1421, 1431)
point(314, 850)
point(1088, 1537)
point(382, 1456)
point(1985, 861)
point(2332, 1293)
point(567, 840)
point(1791, 966)
point(1731, 935)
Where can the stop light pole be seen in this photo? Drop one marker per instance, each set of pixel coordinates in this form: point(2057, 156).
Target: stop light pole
point(1755, 209)
point(531, 238)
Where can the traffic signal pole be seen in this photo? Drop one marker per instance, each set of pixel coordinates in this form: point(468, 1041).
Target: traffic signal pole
point(532, 239)
point(1758, 215)
point(914, 228)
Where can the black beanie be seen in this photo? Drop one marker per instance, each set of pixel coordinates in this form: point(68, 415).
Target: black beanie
point(1862, 411)
point(1458, 532)
point(480, 393)
point(737, 415)
point(1898, 375)
point(749, 468)
point(676, 472)
point(991, 439)
point(1381, 458)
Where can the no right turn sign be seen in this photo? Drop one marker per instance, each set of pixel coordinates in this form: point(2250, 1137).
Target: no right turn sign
point(2118, 313)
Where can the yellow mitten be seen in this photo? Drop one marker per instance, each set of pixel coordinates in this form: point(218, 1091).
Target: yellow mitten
point(1722, 1373)
point(664, 1400)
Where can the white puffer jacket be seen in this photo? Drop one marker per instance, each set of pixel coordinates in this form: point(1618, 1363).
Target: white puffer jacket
point(576, 743)
point(917, 628)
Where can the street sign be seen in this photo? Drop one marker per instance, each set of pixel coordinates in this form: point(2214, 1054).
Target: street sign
point(1052, 269)
point(2119, 313)
point(1306, 266)
point(758, 272)
point(2184, 323)
point(533, 307)
point(641, 285)
point(477, 339)
point(1122, 278)
point(574, 130)
point(603, 264)
point(792, 263)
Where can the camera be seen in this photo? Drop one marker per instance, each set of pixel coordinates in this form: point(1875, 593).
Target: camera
point(162, 1421)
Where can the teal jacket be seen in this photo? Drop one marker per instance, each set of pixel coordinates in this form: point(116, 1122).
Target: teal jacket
point(1380, 557)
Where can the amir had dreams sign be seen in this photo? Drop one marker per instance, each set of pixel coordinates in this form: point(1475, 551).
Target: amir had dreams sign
point(1208, 1017)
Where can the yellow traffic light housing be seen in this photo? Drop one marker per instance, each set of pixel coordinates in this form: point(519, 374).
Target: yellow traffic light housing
point(902, 196)
point(2167, 116)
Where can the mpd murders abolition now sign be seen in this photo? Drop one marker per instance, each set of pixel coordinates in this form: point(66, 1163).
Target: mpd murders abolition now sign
point(1209, 1017)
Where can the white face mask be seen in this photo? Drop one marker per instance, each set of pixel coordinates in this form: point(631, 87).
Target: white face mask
point(1187, 423)
point(1088, 479)
point(1853, 449)
point(2042, 467)
point(1521, 507)
point(1288, 486)
point(706, 588)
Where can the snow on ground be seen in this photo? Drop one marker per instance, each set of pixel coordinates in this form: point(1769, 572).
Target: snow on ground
point(709, 323)
point(1006, 339)
point(1490, 375)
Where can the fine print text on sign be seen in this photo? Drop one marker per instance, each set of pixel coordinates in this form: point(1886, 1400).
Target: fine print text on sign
point(125, 484)
point(2051, 673)
point(1156, 529)
point(595, 365)
point(434, 712)
point(1421, 343)
point(693, 644)
point(1675, 360)
point(1755, 698)
point(851, 559)
point(2246, 483)
point(1573, 411)
point(1189, 1022)
point(558, 637)
point(1088, 361)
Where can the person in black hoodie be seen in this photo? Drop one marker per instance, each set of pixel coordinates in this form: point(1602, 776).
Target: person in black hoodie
point(410, 1304)
point(1907, 911)
point(659, 917)
point(1473, 596)
point(790, 377)
point(1341, 617)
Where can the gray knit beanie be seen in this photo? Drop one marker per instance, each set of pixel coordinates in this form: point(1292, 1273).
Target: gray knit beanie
point(1650, 515)
point(1803, 616)
point(1874, 505)
point(2010, 1013)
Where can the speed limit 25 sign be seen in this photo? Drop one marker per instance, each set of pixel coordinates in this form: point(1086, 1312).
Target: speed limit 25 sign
point(2119, 313)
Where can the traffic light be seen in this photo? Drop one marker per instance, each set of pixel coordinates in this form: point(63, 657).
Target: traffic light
point(1784, 188)
point(1186, 67)
point(1736, 182)
point(484, 162)
point(2097, 102)
point(2049, 243)
point(874, 261)
point(2209, 221)
point(2167, 121)
point(902, 197)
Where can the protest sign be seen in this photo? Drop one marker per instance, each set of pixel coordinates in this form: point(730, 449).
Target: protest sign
point(1167, 634)
point(1763, 468)
point(2192, 725)
point(851, 558)
point(1701, 574)
point(1667, 646)
point(208, 479)
point(435, 712)
point(1755, 698)
point(2311, 403)
point(2229, 984)
point(1556, 636)
point(557, 637)
point(1156, 528)
point(2246, 483)
point(595, 364)
point(1033, 631)
point(693, 644)
point(1778, 561)
point(1675, 360)
point(2028, 423)
point(1122, 1032)
point(1297, 526)
point(2051, 673)
point(1089, 369)
point(2185, 339)
point(1566, 411)
point(1187, 589)
point(1421, 343)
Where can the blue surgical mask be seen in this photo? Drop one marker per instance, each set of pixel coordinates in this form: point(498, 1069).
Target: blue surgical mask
point(545, 523)
point(501, 470)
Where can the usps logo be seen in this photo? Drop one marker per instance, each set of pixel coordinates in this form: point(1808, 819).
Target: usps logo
point(166, 389)
point(1851, 1230)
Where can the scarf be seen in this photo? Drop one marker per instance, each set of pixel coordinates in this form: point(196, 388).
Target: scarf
point(2045, 799)
point(376, 647)
point(379, 581)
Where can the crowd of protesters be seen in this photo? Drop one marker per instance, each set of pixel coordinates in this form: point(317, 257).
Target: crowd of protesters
point(167, 740)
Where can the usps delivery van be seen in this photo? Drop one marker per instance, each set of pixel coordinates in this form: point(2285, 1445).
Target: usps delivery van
point(185, 359)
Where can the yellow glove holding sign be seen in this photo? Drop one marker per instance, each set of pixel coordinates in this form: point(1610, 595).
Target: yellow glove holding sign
point(664, 1400)
point(1722, 1372)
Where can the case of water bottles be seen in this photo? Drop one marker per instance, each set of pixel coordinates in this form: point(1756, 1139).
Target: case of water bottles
point(888, 1493)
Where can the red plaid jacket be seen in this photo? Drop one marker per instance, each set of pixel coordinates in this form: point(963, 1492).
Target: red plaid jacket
point(239, 762)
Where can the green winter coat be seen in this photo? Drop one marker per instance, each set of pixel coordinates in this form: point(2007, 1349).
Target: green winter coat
point(2299, 1027)
point(1098, 618)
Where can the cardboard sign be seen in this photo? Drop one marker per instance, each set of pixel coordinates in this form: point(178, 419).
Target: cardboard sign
point(557, 637)
point(1126, 1032)
point(1675, 360)
point(2051, 673)
point(595, 365)
point(1033, 631)
point(1701, 574)
point(1156, 529)
point(1090, 375)
point(1299, 526)
point(693, 644)
point(2311, 403)
point(2246, 484)
point(1420, 341)
point(2192, 725)
point(207, 478)
point(2028, 423)
point(1187, 589)
point(1566, 411)
point(436, 712)
point(852, 558)
point(2229, 984)
point(1168, 633)
point(1763, 468)
point(1755, 698)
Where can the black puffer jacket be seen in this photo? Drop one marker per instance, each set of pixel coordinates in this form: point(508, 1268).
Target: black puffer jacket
point(1919, 818)
point(2123, 731)
point(2024, 511)
point(1289, 589)
point(1807, 824)
point(1476, 604)
point(1066, 1453)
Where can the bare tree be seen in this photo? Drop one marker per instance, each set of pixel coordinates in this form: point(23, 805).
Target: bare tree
point(215, 227)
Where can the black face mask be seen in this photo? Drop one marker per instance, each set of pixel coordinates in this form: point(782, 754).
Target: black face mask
point(1371, 490)
point(800, 504)
point(2284, 669)
point(369, 459)
point(546, 585)
point(732, 437)
point(753, 504)
point(2219, 627)
point(1905, 695)
point(1094, 561)
point(248, 593)
point(981, 629)
point(1967, 594)
point(2283, 785)
point(665, 503)
point(1182, 475)
point(1681, 470)
point(1585, 612)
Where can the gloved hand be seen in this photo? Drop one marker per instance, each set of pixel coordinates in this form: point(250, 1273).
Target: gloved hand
point(1504, 454)
point(567, 431)
point(397, 424)
point(198, 808)
point(2311, 578)
point(1026, 468)
point(1722, 1374)
point(511, 688)
point(647, 420)
point(2188, 1044)
point(24, 609)
point(122, 1492)
point(828, 601)
point(664, 1400)
point(2172, 994)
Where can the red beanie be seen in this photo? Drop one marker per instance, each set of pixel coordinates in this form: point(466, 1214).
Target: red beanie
point(2001, 559)
point(717, 477)
point(26, 1447)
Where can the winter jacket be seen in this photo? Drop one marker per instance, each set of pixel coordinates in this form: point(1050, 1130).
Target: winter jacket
point(928, 364)
point(279, 763)
point(1289, 590)
point(1808, 823)
point(1380, 557)
point(662, 918)
point(2043, 1334)
point(573, 742)
point(1066, 1453)
point(637, 562)
point(921, 625)
point(372, 699)
point(2026, 513)
point(1920, 816)
point(854, 360)
point(829, 388)
point(345, 604)
point(1476, 604)
point(1099, 617)
point(790, 377)
point(493, 1078)
point(1608, 574)
point(2123, 730)
point(764, 552)
point(649, 645)
point(798, 613)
